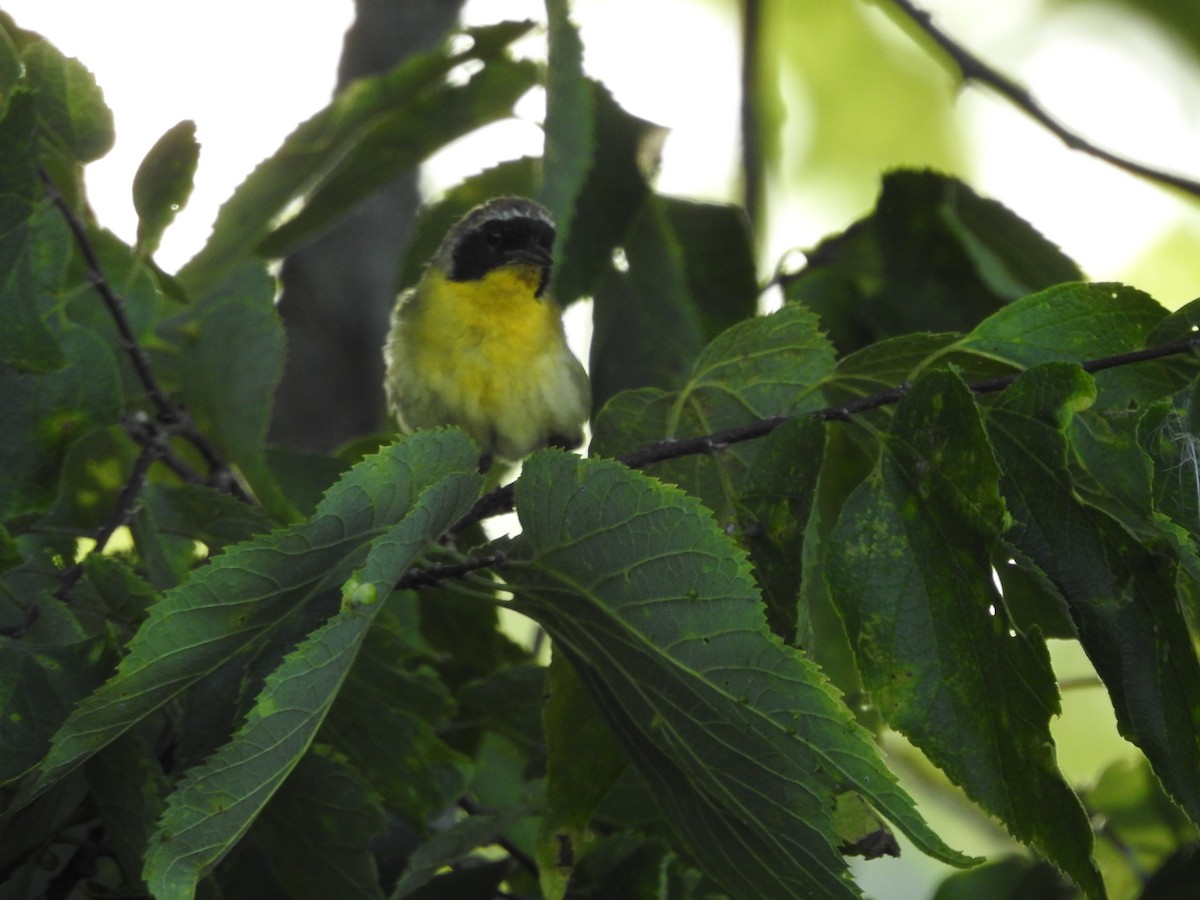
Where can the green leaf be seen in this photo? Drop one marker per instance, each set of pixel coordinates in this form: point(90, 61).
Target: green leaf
point(224, 361)
point(767, 366)
point(1138, 815)
point(42, 675)
point(129, 788)
point(25, 341)
point(1010, 878)
point(910, 569)
point(583, 762)
point(217, 801)
point(316, 831)
point(318, 145)
point(400, 140)
point(244, 595)
point(385, 723)
point(1075, 323)
point(1121, 597)
point(41, 416)
point(119, 591)
point(933, 256)
point(742, 740)
point(203, 514)
point(70, 105)
point(10, 65)
point(163, 183)
point(718, 259)
point(626, 155)
point(570, 121)
point(630, 345)
point(452, 845)
point(777, 503)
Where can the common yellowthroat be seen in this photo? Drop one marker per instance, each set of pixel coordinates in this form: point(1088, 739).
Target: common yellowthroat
point(479, 342)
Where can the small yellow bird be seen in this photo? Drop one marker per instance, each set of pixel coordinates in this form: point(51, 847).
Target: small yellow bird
point(479, 342)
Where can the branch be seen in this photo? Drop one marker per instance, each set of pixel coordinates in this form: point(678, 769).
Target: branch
point(501, 499)
point(171, 415)
point(433, 575)
point(973, 69)
point(751, 124)
point(152, 449)
point(523, 859)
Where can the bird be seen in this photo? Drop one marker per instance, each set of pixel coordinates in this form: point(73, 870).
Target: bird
point(479, 343)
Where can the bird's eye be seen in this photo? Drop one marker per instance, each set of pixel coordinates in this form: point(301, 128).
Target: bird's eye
point(493, 236)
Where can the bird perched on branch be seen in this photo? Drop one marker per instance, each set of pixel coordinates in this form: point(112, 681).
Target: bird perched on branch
point(479, 342)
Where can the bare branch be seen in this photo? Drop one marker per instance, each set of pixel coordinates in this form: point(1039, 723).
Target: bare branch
point(973, 69)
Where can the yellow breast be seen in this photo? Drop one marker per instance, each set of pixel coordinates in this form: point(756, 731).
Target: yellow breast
point(487, 355)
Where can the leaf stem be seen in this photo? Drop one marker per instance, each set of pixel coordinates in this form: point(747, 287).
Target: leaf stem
point(973, 69)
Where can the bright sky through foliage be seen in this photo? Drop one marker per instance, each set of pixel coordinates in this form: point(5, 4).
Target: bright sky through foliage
point(247, 86)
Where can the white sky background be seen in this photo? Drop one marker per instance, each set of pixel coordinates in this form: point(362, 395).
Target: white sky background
point(249, 71)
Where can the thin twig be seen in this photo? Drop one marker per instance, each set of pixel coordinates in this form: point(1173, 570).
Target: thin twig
point(122, 515)
point(469, 806)
point(973, 69)
point(167, 410)
point(432, 575)
point(172, 415)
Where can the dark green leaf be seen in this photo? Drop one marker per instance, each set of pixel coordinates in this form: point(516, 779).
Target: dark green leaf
point(933, 256)
point(203, 514)
point(401, 139)
point(451, 846)
point(41, 416)
point(216, 802)
point(1121, 597)
point(626, 154)
point(646, 330)
point(385, 723)
point(777, 504)
point(120, 592)
point(910, 569)
point(319, 144)
point(129, 787)
point(163, 183)
point(1075, 323)
point(655, 608)
point(1011, 878)
point(245, 594)
point(583, 762)
point(767, 366)
point(93, 471)
point(10, 65)
point(226, 357)
point(70, 105)
point(317, 828)
point(718, 258)
point(570, 122)
point(43, 674)
point(25, 342)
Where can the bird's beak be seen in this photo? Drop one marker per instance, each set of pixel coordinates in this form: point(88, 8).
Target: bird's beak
point(534, 256)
